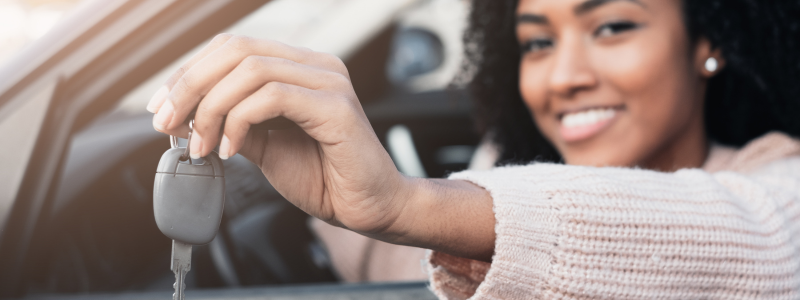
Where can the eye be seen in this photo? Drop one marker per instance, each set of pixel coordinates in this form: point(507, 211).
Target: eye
point(536, 45)
point(614, 28)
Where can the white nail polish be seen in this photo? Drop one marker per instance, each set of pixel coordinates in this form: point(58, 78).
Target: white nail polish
point(196, 145)
point(225, 147)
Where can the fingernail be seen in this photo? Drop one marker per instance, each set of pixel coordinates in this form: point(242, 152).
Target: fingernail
point(197, 146)
point(224, 147)
point(157, 99)
point(164, 115)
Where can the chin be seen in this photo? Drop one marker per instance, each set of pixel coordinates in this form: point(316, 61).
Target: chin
point(597, 157)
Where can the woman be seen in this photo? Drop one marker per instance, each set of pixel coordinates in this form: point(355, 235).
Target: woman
point(633, 95)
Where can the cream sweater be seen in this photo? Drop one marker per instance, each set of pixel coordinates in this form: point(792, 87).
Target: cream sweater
point(728, 231)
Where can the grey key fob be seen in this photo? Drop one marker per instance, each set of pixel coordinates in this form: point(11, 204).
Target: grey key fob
point(188, 198)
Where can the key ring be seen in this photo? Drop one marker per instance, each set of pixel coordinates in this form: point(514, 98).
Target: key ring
point(173, 142)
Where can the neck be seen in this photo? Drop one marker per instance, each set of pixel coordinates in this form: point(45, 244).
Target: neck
point(686, 150)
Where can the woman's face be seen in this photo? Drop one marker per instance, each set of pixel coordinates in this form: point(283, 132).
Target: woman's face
point(615, 82)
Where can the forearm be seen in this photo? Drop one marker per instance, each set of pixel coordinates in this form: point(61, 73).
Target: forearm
point(450, 216)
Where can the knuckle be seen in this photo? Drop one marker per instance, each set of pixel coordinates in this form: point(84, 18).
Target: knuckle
point(304, 54)
point(221, 38)
point(179, 73)
point(334, 63)
point(334, 80)
point(281, 61)
point(203, 127)
point(274, 90)
point(333, 60)
point(235, 122)
point(210, 109)
point(339, 78)
point(277, 62)
point(239, 42)
point(184, 84)
point(252, 63)
point(183, 70)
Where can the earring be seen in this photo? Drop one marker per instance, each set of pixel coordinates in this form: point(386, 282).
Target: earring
point(712, 64)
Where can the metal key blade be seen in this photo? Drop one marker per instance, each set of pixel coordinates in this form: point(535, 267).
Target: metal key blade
point(181, 264)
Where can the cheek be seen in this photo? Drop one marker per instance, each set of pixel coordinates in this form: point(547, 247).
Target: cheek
point(533, 88)
point(643, 66)
point(652, 75)
point(530, 87)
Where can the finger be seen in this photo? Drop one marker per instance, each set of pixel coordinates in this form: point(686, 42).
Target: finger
point(180, 131)
point(253, 73)
point(197, 81)
point(274, 99)
point(158, 99)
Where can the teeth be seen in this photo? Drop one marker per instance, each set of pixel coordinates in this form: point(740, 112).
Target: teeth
point(587, 117)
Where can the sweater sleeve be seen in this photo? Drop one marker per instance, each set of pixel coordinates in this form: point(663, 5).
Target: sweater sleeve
point(589, 233)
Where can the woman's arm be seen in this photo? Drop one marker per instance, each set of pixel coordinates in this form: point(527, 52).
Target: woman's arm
point(451, 216)
point(618, 233)
point(332, 166)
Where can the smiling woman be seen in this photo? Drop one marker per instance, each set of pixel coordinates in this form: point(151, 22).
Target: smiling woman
point(635, 96)
point(615, 83)
point(750, 91)
point(656, 85)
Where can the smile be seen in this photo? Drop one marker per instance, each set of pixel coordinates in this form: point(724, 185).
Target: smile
point(584, 124)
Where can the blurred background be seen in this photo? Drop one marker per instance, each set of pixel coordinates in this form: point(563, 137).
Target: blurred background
point(81, 220)
point(23, 21)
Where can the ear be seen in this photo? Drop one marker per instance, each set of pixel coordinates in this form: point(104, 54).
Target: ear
point(702, 52)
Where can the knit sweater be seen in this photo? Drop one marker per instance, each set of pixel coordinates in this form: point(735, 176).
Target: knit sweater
point(727, 231)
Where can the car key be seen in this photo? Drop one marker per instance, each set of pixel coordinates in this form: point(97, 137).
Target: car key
point(188, 200)
point(181, 264)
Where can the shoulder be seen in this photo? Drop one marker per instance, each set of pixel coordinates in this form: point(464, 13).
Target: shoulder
point(760, 155)
point(774, 156)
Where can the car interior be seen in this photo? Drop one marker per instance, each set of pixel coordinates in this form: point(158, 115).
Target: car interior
point(97, 233)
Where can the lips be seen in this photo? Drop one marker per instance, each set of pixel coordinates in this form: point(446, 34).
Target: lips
point(584, 124)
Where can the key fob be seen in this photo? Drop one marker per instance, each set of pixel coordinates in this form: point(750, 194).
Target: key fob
point(188, 198)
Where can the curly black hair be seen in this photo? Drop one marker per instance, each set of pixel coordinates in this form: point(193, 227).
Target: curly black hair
point(758, 90)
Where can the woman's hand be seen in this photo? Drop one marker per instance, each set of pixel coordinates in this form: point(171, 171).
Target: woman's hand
point(333, 167)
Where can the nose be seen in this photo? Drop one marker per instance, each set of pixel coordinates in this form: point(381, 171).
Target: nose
point(571, 71)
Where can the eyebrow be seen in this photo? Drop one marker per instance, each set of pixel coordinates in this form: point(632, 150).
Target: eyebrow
point(591, 5)
point(531, 18)
point(581, 9)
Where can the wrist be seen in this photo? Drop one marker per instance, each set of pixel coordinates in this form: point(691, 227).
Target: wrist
point(402, 206)
point(452, 216)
